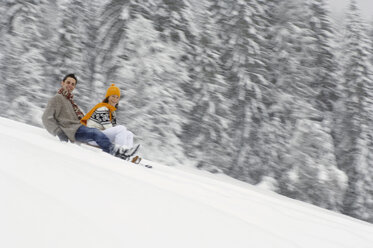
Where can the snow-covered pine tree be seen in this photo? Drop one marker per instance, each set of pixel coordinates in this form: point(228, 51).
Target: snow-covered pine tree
point(91, 76)
point(354, 127)
point(205, 134)
point(178, 23)
point(3, 51)
point(292, 49)
point(50, 50)
point(170, 19)
point(70, 44)
point(365, 185)
point(287, 59)
point(324, 62)
point(114, 18)
point(289, 50)
point(76, 52)
point(312, 175)
point(239, 24)
point(269, 132)
point(25, 37)
point(272, 129)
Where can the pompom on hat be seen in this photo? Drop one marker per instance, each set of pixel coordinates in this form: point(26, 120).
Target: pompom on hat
point(113, 90)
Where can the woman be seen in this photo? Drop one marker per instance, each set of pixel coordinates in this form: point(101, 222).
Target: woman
point(103, 117)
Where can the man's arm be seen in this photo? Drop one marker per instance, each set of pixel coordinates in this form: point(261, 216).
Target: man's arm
point(49, 117)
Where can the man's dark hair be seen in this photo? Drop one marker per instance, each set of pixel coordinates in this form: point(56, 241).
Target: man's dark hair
point(72, 76)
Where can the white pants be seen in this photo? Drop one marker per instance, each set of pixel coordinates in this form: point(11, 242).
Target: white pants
point(118, 135)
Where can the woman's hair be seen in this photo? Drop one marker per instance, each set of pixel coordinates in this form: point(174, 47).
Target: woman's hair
point(106, 100)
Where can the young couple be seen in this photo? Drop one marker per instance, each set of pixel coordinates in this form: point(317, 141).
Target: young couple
point(63, 118)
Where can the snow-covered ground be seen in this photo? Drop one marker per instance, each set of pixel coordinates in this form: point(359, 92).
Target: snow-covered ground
point(63, 195)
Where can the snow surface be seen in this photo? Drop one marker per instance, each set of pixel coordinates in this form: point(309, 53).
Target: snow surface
point(56, 194)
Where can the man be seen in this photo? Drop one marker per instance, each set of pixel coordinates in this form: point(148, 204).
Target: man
point(62, 118)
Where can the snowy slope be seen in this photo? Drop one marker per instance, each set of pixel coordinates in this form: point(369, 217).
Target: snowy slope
point(63, 195)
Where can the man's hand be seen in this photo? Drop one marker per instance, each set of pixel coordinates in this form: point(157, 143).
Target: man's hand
point(62, 136)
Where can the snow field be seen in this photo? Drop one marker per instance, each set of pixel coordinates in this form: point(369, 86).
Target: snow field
point(63, 195)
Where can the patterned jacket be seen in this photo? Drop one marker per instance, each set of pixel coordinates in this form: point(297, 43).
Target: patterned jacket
point(102, 116)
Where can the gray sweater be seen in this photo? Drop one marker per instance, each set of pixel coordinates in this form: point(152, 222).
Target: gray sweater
point(60, 115)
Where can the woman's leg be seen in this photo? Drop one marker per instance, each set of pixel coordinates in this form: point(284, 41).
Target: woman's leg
point(129, 138)
point(120, 135)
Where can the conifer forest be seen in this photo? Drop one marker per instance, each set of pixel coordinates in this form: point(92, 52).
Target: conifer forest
point(270, 92)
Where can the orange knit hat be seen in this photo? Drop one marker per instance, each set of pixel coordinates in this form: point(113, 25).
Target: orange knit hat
point(113, 90)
